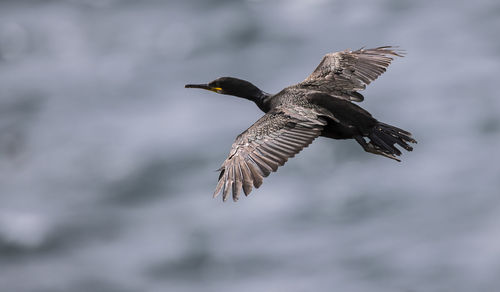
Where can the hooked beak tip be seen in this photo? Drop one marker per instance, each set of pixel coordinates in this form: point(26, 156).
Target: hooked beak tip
point(202, 86)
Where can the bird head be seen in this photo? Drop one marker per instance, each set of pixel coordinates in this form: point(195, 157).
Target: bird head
point(231, 86)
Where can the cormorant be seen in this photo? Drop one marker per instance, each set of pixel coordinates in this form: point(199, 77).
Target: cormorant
point(321, 105)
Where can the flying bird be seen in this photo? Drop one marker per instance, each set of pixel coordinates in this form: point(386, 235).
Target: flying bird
point(321, 105)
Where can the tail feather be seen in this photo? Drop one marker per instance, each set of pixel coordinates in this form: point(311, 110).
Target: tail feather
point(384, 138)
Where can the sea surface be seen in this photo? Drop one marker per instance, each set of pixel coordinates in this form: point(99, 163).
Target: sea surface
point(107, 163)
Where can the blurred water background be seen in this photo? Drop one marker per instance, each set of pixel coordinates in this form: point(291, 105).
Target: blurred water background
point(107, 162)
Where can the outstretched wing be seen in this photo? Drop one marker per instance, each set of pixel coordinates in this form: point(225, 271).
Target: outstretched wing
point(341, 74)
point(262, 148)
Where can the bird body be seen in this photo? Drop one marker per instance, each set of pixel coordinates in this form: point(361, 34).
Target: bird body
point(321, 105)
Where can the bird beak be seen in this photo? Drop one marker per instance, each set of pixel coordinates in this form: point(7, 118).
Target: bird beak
point(203, 86)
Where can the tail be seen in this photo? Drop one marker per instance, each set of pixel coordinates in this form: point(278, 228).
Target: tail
point(383, 141)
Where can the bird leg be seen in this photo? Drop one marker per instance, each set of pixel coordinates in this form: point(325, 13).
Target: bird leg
point(370, 148)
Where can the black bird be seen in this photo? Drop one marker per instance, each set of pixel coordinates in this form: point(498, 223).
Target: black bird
point(318, 106)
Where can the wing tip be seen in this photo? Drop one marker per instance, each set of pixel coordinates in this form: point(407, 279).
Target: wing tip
point(386, 50)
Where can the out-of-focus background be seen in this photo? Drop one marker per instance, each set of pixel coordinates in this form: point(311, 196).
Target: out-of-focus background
point(107, 162)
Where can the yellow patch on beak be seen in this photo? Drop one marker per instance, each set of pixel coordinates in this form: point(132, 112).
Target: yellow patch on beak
point(216, 89)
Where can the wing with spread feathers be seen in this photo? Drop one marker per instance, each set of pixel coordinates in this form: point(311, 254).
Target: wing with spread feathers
point(342, 74)
point(261, 149)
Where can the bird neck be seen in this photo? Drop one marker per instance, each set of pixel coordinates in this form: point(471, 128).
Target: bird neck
point(263, 101)
point(256, 95)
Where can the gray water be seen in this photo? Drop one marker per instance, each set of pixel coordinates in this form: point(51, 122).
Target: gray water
point(107, 162)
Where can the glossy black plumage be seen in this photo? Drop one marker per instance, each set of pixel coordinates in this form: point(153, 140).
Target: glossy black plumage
point(321, 105)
